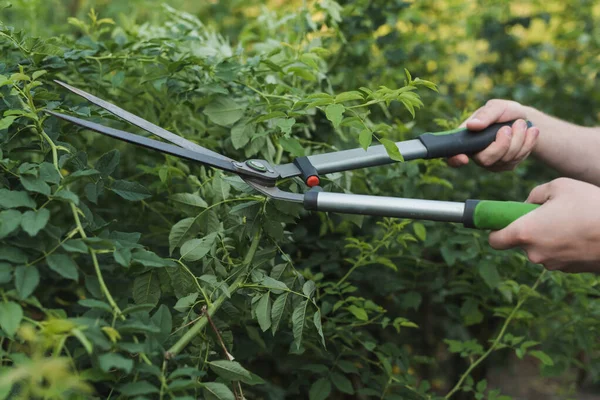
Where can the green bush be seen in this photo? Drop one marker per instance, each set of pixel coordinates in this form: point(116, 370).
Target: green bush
point(125, 273)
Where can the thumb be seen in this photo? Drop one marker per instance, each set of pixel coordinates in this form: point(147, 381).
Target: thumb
point(540, 194)
point(486, 116)
point(506, 238)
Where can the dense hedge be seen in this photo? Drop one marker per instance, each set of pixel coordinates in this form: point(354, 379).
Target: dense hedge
point(125, 273)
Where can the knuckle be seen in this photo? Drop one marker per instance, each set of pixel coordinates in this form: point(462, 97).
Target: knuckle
point(559, 183)
point(522, 234)
point(484, 160)
point(493, 102)
point(536, 257)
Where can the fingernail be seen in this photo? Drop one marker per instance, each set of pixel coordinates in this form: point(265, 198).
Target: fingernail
point(535, 132)
point(475, 120)
point(521, 124)
point(507, 131)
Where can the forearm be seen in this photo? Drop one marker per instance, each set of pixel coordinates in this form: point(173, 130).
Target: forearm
point(570, 149)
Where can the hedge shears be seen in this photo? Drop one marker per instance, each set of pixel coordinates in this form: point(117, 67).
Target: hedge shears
point(263, 175)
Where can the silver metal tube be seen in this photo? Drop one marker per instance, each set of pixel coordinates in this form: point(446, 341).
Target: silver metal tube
point(433, 210)
point(359, 158)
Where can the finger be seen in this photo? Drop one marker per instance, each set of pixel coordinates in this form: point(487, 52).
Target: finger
point(458, 160)
point(531, 137)
point(487, 115)
point(464, 123)
point(540, 194)
point(506, 238)
point(497, 149)
point(519, 129)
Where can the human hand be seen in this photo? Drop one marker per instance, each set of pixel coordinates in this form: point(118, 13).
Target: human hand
point(562, 234)
point(512, 145)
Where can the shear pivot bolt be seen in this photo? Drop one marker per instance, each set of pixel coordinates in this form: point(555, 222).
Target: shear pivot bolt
point(256, 165)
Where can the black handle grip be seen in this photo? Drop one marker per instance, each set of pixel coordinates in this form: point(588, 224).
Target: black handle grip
point(461, 141)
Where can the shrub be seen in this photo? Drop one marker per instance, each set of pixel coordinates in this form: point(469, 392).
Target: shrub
point(126, 273)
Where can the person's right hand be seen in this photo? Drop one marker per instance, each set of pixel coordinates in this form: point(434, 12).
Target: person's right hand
point(512, 145)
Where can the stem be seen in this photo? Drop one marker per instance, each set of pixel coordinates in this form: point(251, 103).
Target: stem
point(217, 333)
point(198, 326)
point(101, 282)
point(496, 341)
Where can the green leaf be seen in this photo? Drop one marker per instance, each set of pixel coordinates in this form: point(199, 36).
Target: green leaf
point(224, 111)
point(275, 286)
point(342, 383)
point(163, 319)
point(184, 303)
point(489, 273)
point(11, 315)
point(420, 231)
point(63, 265)
point(109, 361)
point(392, 149)
point(277, 311)
point(97, 304)
point(6, 272)
point(189, 199)
point(6, 122)
point(335, 114)
point(320, 390)
point(195, 249)
point(10, 220)
point(229, 370)
point(285, 124)
point(365, 138)
point(35, 184)
point(122, 256)
point(150, 259)
point(15, 198)
point(26, 280)
point(131, 191)
point(138, 388)
point(308, 288)
point(358, 312)
point(317, 322)
point(347, 96)
point(241, 134)
point(298, 323)
point(68, 196)
point(34, 221)
point(146, 288)
point(263, 312)
point(543, 357)
point(12, 254)
point(303, 73)
point(292, 146)
point(38, 73)
point(217, 391)
point(180, 232)
point(49, 173)
point(75, 246)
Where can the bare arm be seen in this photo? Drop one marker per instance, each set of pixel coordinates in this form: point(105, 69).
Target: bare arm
point(571, 149)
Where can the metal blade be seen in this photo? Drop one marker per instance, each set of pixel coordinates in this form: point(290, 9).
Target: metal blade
point(287, 170)
point(142, 123)
point(152, 144)
point(275, 193)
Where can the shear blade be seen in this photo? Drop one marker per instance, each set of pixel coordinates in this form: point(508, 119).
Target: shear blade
point(151, 144)
point(142, 123)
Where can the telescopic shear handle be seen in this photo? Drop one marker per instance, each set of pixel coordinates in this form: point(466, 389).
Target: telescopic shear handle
point(480, 214)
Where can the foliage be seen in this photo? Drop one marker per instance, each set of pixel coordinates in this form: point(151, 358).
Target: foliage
point(126, 273)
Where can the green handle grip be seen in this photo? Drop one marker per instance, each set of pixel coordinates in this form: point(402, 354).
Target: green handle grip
point(461, 140)
point(494, 215)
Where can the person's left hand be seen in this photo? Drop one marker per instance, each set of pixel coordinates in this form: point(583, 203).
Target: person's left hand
point(562, 234)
